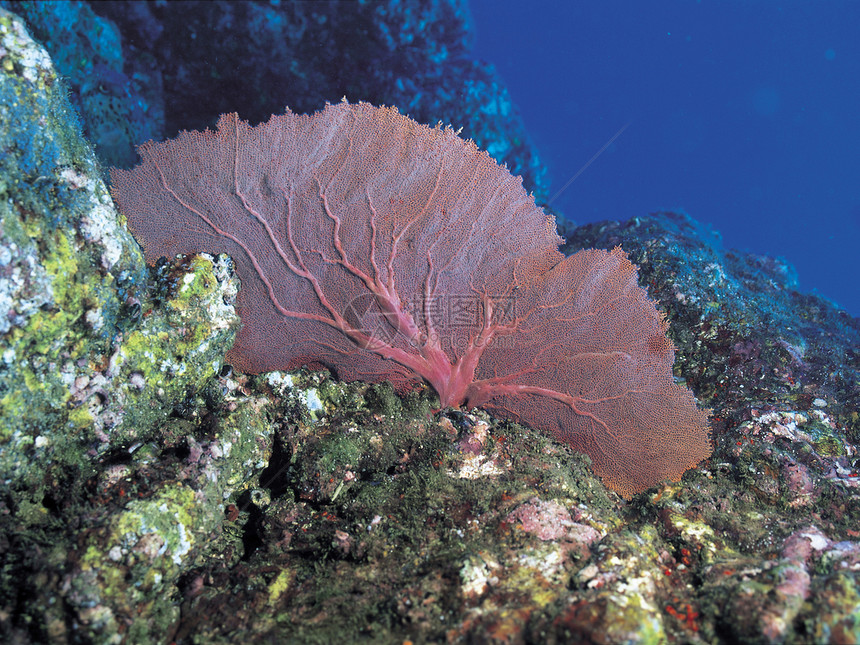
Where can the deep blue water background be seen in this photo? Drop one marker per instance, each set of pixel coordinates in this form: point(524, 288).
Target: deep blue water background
point(744, 114)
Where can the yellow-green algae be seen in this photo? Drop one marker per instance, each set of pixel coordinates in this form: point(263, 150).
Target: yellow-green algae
point(126, 574)
point(63, 264)
point(91, 368)
point(838, 620)
point(372, 491)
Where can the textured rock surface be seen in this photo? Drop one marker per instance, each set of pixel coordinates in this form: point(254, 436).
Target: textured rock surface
point(119, 99)
point(92, 362)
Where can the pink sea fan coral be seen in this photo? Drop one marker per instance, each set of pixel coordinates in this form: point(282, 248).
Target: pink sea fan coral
point(387, 250)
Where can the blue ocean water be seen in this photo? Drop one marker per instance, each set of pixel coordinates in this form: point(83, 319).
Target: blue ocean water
point(746, 115)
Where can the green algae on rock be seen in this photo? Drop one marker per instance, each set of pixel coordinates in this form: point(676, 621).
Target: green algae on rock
point(90, 366)
point(68, 265)
point(80, 367)
point(132, 558)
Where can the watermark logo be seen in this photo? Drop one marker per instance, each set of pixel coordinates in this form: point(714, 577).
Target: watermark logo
point(448, 321)
point(378, 328)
